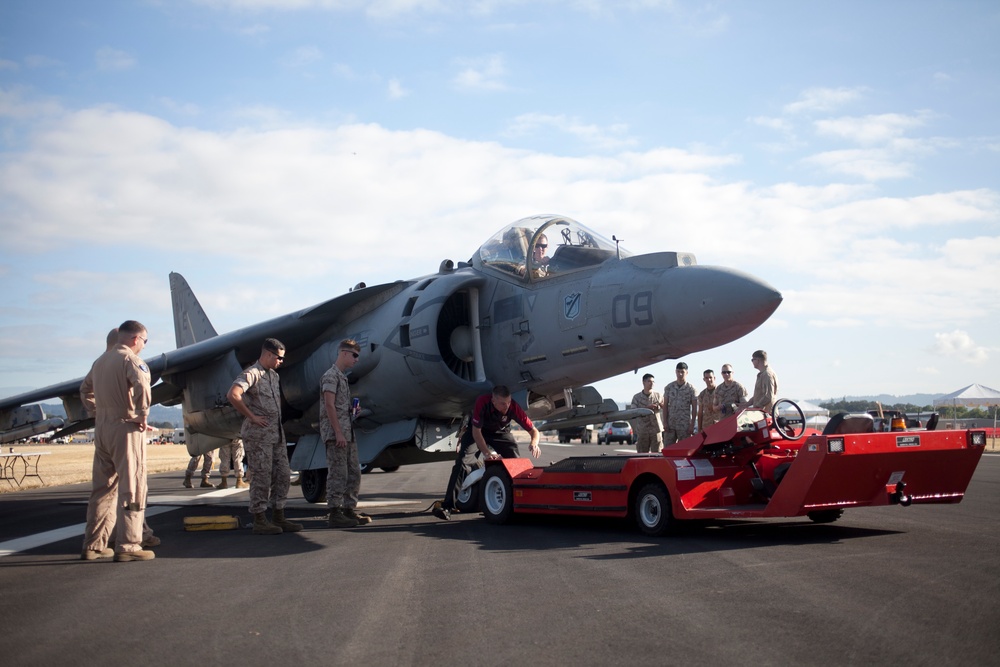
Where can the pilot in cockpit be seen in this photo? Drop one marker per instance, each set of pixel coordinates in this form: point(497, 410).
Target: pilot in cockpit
point(539, 258)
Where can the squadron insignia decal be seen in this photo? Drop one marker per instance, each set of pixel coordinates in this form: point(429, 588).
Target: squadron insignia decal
point(571, 305)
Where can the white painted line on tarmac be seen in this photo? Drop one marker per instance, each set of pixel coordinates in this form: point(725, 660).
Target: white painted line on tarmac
point(167, 503)
point(28, 542)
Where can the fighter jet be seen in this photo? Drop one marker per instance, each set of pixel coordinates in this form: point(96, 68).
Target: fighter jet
point(546, 306)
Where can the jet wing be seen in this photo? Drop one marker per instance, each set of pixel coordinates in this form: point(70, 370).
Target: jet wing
point(596, 418)
point(299, 331)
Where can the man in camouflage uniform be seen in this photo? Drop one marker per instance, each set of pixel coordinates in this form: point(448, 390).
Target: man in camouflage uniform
point(729, 393)
point(680, 404)
point(336, 427)
point(119, 380)
point(231, 452)
point(256, 394)
point(708, 409)
point(648, 429)
point(206, 470)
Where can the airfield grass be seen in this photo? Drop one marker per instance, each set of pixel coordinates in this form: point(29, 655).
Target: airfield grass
point(71, 464)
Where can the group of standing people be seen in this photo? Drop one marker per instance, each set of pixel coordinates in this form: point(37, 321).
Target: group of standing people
point(256, 394)
point(117, 393)
point(679, 411)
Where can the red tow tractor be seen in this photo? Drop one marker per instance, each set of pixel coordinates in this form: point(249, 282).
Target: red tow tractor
point(750, 465)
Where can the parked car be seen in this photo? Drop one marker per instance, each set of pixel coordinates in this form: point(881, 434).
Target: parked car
point(617, 432)
point(582, 433)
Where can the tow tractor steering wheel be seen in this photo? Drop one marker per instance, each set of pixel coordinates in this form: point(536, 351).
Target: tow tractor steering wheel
point(789, 428)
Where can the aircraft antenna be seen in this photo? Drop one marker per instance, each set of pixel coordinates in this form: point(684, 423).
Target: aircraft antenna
point(618, 250)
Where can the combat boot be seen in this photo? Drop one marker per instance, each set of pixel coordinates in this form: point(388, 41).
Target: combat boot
point(130, 556)
point(240, 484)
point(205, 484)
point(187, 481)
point(361, 518)
point(338, 519)
point(261, 526)
point(223, 483)
point(279, 520)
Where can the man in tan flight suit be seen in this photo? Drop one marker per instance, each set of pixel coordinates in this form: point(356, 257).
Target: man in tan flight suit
point(100, 543)
point(122, 398)
point(256, 394)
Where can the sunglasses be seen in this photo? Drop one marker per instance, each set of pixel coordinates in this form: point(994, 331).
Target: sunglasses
point(353, 354)
point(543, 246)
point(727, 372)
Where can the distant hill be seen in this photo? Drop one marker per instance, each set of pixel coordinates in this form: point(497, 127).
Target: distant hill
point(157, 413)
point(884, 399)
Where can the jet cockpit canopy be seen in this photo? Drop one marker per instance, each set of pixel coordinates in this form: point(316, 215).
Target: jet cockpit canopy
point(543, 246)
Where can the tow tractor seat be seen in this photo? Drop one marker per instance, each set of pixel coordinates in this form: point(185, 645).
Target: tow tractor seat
point(846, 422)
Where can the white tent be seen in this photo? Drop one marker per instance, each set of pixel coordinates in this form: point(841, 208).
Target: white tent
point(808, 410)
point(975, 395)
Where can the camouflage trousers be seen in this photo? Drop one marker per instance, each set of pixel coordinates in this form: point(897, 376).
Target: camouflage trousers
point(233, 451)
point(648, 441)
point(343, 475)
point(206, 467)
point(270, 475)
point(676, 432)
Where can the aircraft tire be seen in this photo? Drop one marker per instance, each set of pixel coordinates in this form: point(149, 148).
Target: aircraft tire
point(389, 468)
point(313, 483)
point(652, 509)
point(467, 500)
point(825, 516)
point(496, 495)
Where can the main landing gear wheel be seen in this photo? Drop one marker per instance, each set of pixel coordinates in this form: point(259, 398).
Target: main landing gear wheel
point(789, 428)
point(467, 500)
point(313, 484)
point(496, 497)
point(467, 497)
point(652, 510)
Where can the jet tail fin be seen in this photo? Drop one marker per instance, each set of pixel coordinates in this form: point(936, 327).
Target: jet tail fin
point(191, 324)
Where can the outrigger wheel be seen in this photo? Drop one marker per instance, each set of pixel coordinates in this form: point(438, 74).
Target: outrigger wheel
point(789, 428)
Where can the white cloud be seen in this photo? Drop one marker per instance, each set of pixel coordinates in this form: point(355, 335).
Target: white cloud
point(867, 130)
point(959, 345)
point(9, 65)
point(111, 60)
point(396, 91)
point(303, 56)
point(869, 164)
point(182, 108)
point(254, 30)
point(40, 62)
point(614, 137)
point(484, 74)
point(823, 99)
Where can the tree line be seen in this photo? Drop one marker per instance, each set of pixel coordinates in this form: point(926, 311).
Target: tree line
point(956, 412)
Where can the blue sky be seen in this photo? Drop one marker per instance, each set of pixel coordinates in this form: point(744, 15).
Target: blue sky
point(277, 152)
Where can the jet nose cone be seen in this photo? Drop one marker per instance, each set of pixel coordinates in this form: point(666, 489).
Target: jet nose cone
point(715, 306)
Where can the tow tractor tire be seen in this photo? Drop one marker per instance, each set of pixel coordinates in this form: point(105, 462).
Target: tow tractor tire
point(467, 500)
point(313, 483)
point(825, 516)
point(652, 509)
point(389, 468)
point(496, 495)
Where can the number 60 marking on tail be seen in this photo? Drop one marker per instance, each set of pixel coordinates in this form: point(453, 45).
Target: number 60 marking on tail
point(632, 309)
